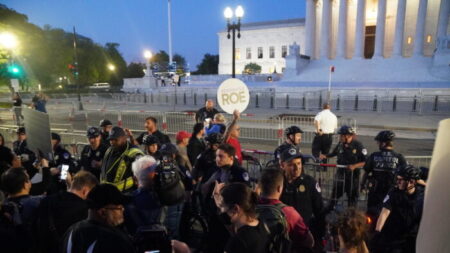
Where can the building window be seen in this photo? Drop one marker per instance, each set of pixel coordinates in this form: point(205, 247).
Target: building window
point(237, 53)
point(249, 53)
point(283, 51)
point(429, 38)
point(409, 40)
point(271, 52)
point(260, 52)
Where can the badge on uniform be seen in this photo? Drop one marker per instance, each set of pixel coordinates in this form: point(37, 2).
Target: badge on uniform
point(97, 154)
point(354, 151)
point(301, 188)
point(318, 187)
point(66, 156)
point(386, 198)
point(245, 176)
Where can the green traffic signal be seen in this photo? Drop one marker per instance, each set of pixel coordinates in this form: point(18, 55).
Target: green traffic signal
point(14, 69)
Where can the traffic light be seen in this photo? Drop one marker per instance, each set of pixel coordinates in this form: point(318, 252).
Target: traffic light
point(14, 70)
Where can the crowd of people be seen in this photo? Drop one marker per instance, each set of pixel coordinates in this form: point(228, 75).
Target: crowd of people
point(127, 194)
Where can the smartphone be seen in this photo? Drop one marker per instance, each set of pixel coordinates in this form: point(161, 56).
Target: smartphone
point(64, 171)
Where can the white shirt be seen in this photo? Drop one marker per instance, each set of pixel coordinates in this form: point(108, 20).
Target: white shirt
point(327, 121)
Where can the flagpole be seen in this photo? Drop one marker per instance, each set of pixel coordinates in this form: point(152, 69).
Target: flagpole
point(169, 12)
point(329, 84)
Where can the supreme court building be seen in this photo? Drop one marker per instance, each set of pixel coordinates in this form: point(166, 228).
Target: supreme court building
point(395, 40)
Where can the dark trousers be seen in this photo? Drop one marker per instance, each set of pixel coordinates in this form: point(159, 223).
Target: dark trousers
point(322, 144)
point(348, 182)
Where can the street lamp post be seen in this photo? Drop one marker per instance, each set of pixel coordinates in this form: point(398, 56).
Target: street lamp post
point(76, 73)
point(232, 26)
point(148, 55)
point(9, 42)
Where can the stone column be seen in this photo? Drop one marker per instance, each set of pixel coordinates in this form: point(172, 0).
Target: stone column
point(342, 30)
point(325, 31)
point(399, 29)
point(444, 12)
point(310, 28)
point(360, 29)
point(420, 27)
point(379, 34)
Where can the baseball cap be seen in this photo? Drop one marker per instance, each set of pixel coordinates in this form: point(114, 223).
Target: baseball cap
point(105, 122)
point(105, 194)
point(21, 130)
point(56, 136)
point(290, 154)
point(182, 134)
point(116, 132)
point(93, 132)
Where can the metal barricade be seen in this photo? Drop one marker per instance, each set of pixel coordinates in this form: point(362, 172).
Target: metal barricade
point(179, 121)
point(135, 120)
point(7, 116)
point(419, 161)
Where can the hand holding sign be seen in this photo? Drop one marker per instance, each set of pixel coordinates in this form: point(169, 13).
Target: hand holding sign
point(233, 95)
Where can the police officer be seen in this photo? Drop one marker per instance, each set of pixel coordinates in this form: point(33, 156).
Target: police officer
point(152, 145)
point(116, 165)
point(379, 171)
point(60, 157)
point(293, 139)
point(300, 190)
point(399, 220)
point(228, 172)
point(351, 153)
point(26, 155)
point(105, 128)
point(205, 164)
point(92, 154)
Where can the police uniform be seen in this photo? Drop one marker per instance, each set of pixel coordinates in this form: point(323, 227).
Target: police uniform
point(380, 168)
point(304, 194)
point(26, 155)
point(116, 165)
point(347, 154)
point(88, 156)
point(401, 227)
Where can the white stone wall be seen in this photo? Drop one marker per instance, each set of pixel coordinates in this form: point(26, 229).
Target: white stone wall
point(265, 38)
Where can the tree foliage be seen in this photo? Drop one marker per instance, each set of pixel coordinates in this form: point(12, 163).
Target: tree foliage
point(45, 54)
point(135, 70)
point(209, 65)
point(160, 62)
point(252, 68)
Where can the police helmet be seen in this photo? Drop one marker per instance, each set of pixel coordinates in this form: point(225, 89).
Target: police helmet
point(346, 130)
point(93, 132)
point(168, 149)
point(105, 122)
point(214, 138)
point(292, 130)
point(409, 172)
point(385, 136)
point(150, 139)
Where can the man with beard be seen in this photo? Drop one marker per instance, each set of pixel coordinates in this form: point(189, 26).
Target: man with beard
point(116, 164)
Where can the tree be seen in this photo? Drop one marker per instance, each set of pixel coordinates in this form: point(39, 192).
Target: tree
point(160, 61)
point(181, 63)
point(252, 68)
point(135, 70)
point(209, 65)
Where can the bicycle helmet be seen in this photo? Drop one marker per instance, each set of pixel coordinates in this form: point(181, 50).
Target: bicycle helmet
point(385, 136)
point(292, 130)
point(346, 130)
point(150, 139)
point(168, 149)
point(409, 172)
point(214, 138)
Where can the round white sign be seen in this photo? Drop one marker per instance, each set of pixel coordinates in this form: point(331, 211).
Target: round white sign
point(233, 94)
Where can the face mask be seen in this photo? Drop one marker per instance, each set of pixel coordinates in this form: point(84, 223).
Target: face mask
point(225, 218)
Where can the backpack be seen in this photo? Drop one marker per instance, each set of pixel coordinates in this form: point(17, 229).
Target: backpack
point(275, 221)
point(169, 185)
point(15, 235)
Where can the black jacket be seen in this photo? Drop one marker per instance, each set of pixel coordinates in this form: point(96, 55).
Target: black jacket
point(194, 148)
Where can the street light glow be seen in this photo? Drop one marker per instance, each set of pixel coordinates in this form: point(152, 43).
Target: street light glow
point(111, 67)
point(239, 12)
point(8, 40)
point(228, 13)
point(148, 54)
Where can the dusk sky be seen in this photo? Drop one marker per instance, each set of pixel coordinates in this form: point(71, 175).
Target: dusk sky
point(142, 24)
